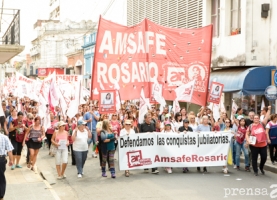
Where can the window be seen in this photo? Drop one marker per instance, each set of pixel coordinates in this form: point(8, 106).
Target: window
point(235, 17)
point(216, 17)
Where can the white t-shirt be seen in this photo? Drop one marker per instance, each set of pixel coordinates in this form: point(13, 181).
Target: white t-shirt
point(194, 127)
point(177, 125)
point(124, 132)
point(80, 143)
point(262, 118)
point(267, 126)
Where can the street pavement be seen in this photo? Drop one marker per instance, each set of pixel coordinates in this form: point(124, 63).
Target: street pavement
point(193, 185)
point(24, 184)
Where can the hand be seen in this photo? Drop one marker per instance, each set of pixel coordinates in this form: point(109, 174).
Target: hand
point(269, 107)
point(10, 162)
point(39, 139)
point(23, 143)
point(268, 141)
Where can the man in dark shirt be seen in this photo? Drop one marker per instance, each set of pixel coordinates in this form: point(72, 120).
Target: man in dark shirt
point(185, 126)
point(148, 127)
point(250, 119)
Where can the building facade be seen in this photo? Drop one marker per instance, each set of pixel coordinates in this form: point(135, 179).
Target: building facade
point(55, 40)
point(88, 48)
point(244, 40)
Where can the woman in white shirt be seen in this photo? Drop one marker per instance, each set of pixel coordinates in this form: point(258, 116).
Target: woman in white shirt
point(80, 146)
point(177, 122)
point(127, 130)
point(192, 123)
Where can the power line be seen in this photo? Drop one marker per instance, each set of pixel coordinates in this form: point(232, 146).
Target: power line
point(1, 13)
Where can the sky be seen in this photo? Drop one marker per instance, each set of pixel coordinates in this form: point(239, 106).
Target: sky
point(31, 10)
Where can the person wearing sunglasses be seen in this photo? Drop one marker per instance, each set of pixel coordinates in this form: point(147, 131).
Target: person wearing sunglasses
point(127, 130)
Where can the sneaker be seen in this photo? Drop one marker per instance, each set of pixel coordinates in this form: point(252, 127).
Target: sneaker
point(64, 176)
point(185, 170)
point(146, 170)
point(255, 173)
point(225, 171)
point(80, 176)
point(273, 163)
point(12, 168)
point(169, 171)
point(155, 172)
point(104, 174)
point(59, 177)
point(239, 168)
point(94, 156)
point(113, 175)
point(18, 166)
point(205, 169)
point(198, 169)
point(83, 172)
point(247, 169)
point(235, 167)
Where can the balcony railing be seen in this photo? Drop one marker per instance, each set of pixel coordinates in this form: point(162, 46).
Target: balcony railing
point(10, 21)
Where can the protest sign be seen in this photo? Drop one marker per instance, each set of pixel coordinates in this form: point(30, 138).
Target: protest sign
point(149, 150)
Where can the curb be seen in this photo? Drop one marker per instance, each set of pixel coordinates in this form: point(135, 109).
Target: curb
point(48, 186)
point(54, 194)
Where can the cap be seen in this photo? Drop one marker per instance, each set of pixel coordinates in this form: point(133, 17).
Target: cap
point(81, 122)
point(61, 123)
point(167, 115)
point(167, 124)
point(185, 121)
point(128, 122)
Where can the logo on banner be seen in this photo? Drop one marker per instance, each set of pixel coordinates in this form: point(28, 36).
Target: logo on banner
point(135, 159)
point(42, 71)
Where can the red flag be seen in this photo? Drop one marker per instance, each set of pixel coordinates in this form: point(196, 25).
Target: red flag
point(139, 55)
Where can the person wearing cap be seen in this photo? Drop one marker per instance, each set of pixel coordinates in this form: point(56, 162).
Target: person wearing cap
point(185, 127)
point(61, 136)
point(80, 147)
point(17, 130)
point(91, 117)
point(148, 127)
point(127, 130)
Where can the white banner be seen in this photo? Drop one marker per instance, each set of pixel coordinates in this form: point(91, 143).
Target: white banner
point(149, 150)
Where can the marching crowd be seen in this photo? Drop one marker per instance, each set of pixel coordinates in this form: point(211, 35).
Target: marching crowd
point(22, 124)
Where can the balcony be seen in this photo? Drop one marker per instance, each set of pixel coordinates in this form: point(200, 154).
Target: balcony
point(9, 34)
point(35, 50)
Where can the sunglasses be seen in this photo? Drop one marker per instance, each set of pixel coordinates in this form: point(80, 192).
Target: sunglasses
point(114, 115)
point(227, 122)
point(31, 118)
point(128, 124)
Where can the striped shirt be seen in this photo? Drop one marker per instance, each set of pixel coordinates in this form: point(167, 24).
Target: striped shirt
point(5, 145)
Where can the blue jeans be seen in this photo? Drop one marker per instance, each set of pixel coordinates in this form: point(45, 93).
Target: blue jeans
point(93, 139)
point(233, 147)
point(240, 147)
point(80, 158)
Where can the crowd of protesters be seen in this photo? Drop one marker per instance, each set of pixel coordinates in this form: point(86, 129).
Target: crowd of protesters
point(88, 128)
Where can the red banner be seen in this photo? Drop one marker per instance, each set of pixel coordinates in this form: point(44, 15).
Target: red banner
point(43, 72)
point(136, 56)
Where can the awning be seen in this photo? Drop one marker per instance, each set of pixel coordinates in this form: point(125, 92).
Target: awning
point(249, 81)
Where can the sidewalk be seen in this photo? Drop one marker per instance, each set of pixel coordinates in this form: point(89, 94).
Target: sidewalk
point(24, 184)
